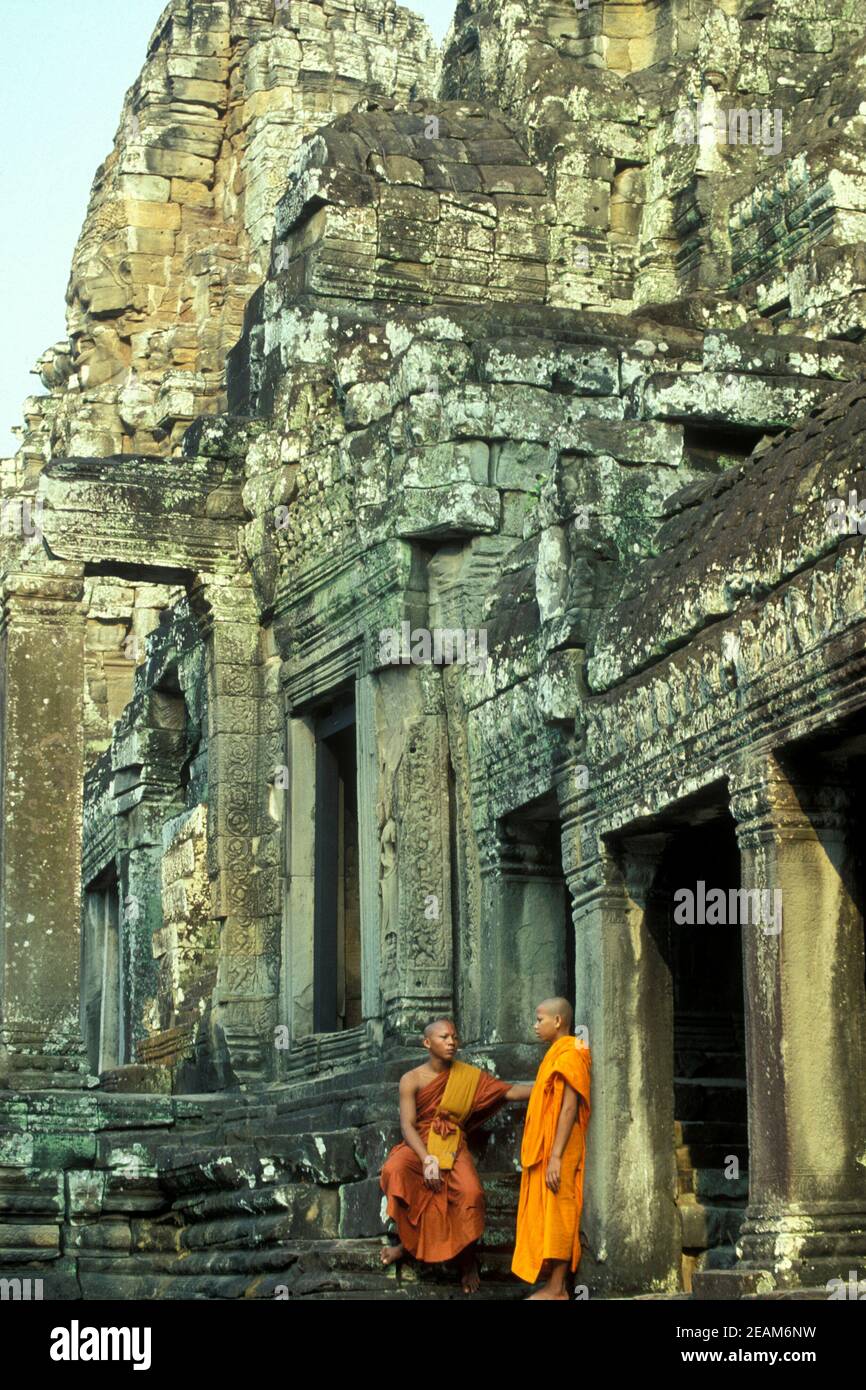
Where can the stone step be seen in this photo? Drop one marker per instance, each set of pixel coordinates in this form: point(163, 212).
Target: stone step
point(322, 1269)
point(327, 1156)
point(719, 1257)
point(732, 1134)
point(696, 1263)
point(59, 1278)
point(711, 1184)
point(698, 1155)
point(330, 1157)
point(371, 1104)
point(361, 1257)
point(31, 1193)
point(421, 1294)
point(706, 1225)
point(284, 1211)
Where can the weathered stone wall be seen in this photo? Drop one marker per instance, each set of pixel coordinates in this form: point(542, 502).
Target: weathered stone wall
point(515, 360)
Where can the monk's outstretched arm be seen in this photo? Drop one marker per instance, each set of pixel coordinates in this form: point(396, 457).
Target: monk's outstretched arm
point(519, 1090)
point(567, 1117)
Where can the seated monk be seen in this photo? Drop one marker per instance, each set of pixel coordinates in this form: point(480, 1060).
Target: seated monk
point(433, 1191)
point(552, 1156)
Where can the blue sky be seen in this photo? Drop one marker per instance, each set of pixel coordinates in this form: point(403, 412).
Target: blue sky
point(68, 64)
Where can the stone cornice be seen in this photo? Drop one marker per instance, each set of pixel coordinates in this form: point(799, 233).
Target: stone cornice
point(776, 672)
point(149, 513)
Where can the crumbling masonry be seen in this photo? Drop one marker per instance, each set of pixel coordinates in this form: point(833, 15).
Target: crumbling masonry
point(368, 338)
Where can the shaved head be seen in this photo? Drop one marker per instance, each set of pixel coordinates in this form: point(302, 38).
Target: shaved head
point(559, 1006)
point(435, 1024)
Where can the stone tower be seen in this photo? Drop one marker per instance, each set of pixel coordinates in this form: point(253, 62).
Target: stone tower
point(446, 577)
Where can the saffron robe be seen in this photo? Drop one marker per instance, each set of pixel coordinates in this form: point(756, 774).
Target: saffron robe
point(548, 1223)
point(436, 1226)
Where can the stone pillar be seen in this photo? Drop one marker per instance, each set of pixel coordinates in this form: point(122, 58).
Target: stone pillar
point(492, 908)
point(296, 1011)
point(624, 999)
point(147, 753)
point(42, 769)
point(522, 939)
point(368, 847)
point(245, 744)
point(805, 1033)
point(414, 856)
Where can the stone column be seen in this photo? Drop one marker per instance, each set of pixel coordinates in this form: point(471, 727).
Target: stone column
point(414, 856)
point(245, 744)
point(40, 879)
point(368, 848)
point(491, 915)
point(624, 999)
point(805, 1031)
point(522, 939)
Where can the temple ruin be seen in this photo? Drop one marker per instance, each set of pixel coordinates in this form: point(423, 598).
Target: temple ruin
point(536, 341)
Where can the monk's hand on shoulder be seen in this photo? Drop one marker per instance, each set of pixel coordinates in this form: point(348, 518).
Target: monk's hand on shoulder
point(554, 1169)
point(431, 1172)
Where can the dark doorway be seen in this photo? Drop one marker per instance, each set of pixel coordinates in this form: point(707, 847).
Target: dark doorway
point(709, 1065)
point(337, 923)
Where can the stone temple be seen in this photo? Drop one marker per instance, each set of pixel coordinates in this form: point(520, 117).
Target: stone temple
point(433, 578)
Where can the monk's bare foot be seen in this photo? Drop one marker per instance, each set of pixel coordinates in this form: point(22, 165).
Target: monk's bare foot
point(390, 1254)
point(470, 1275)
point(548, 1295)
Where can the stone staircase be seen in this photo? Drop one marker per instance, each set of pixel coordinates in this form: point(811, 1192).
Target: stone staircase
point(710, 1131)
point(272, 1195)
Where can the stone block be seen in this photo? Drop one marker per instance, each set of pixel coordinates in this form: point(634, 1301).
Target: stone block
point(145, 187)
point(362, 1205)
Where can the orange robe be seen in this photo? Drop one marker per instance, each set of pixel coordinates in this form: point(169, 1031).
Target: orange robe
point(548, 1223)
point(436, 1226)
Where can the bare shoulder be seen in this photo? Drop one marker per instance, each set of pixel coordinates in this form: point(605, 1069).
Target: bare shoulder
point(411, 1081)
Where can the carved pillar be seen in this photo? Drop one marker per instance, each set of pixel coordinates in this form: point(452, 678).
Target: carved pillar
point(368, 848)
point(805, 1028)
point(492, 908)
point(147, 754)
point(245, 743)
point(415, 862)
point(467, 906)
point(40, 878)
point(623, 997)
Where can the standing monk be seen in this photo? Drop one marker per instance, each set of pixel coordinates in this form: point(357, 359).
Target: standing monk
point(552, 1155)
point(433, 1191)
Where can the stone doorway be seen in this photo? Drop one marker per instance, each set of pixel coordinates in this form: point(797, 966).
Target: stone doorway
point(535, 927)
point(337, 915)
point(694, 918)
